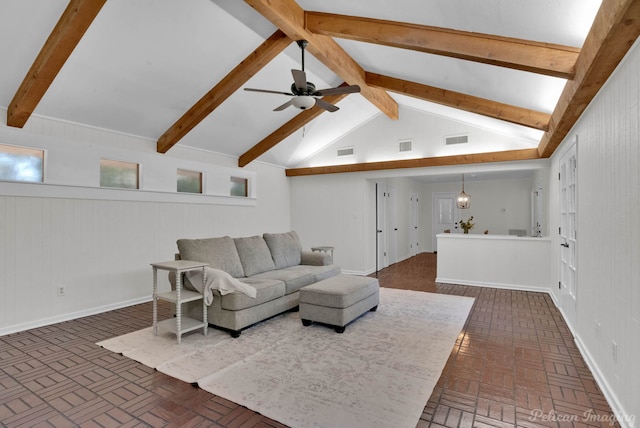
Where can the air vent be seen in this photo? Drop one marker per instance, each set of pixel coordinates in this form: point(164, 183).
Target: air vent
point(457, 139)
point(404, 146)
point(346, 151)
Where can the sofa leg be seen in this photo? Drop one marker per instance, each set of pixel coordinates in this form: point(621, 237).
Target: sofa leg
point(306, 322)
point(339, 329)
point(235, 333)
point(375, 308)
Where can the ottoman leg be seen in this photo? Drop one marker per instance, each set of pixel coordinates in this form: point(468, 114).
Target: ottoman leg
point(339, 329)
point(306, 322)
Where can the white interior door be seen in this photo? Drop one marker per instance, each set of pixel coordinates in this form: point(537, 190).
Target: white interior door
point(381, 225)
point(392, 226)
point(413, 224)
point(444, 215)
point(568, 233)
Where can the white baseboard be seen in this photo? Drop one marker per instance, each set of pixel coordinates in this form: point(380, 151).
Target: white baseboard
point(494, 285)
point(71, 316)
point(625, 419)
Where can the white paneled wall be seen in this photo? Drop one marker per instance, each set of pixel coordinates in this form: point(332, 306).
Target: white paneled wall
point(99, 250)
point(98, 243)
point(608, 294)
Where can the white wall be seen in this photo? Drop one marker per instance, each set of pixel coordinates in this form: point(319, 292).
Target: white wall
point(339, 210)
point(377, 139)
point(499, 261)
point(608, 150)
point(98, 243)
point(496, 205)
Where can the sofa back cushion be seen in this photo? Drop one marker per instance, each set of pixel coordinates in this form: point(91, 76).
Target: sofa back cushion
point(285, 248)
point(220, 253)
point(254, 255)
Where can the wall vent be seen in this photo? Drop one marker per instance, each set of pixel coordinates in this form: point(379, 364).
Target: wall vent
point(346, 151)
point(456, 139)
point(404, 146)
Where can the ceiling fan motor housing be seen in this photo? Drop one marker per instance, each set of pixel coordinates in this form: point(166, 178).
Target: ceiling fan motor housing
point(311, 88)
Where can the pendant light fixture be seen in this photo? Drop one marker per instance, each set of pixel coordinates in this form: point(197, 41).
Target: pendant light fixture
point(463, 201)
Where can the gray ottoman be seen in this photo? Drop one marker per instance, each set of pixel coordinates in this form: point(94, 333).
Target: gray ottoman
point(338, 300)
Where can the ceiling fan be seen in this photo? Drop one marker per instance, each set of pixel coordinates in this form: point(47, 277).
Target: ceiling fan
point(304, 93)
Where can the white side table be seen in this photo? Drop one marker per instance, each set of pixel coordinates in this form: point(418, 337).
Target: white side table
point(178, 325)
point(324, 250)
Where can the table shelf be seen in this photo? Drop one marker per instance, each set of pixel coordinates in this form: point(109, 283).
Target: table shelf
point(185, 296)
point(185, 324)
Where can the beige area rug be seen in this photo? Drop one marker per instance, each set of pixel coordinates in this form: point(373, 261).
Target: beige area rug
point(379, 373)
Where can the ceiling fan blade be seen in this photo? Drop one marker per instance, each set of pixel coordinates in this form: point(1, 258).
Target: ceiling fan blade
point(337, 91)
point(325, 105)
point(283, 106)
point(300, 80)
point(266, 91)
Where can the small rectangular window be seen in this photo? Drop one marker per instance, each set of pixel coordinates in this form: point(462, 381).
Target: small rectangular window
point(124, 175)
point(21, 164)
point(189, 181)
point(239, 187)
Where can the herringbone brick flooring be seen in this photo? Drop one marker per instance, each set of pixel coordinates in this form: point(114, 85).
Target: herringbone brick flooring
point(514, 364)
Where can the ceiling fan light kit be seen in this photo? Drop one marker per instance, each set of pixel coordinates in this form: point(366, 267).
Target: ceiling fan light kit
point(304, 93)
point(303, 102)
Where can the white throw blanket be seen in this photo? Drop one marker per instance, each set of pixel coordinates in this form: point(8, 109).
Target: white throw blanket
point(218, 280)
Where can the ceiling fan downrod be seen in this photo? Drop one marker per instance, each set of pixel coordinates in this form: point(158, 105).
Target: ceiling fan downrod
point(303, 44)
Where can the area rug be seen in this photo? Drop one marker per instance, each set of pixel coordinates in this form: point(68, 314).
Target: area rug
point(379, 373)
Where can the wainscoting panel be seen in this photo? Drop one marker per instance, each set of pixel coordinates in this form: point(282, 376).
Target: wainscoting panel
point(99, 251)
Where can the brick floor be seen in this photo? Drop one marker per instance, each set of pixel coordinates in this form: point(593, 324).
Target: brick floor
point(514, 364)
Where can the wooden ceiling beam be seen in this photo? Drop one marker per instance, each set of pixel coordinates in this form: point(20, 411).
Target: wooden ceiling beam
point(543, 58)
point(520, 116)
point(298, 121)
point(288, 16)
point(505, 156)
point(65, 36)
point(614, 30)
point(237, 77)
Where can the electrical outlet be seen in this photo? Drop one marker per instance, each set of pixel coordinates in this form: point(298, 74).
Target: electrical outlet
point(60, 291)
point(614, 351)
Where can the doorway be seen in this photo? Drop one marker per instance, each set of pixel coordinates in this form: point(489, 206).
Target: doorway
point(445, 215)
point(413, 224)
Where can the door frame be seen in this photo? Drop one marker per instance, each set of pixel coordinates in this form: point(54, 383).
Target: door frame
point(434, 214)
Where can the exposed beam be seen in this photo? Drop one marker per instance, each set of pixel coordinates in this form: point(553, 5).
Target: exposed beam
point(237, 77)
point(506, 112)
point(66, 35)
point(527, 55)
point(289, 17)
point(614, 30)
point(506, 156)
point(285, 130)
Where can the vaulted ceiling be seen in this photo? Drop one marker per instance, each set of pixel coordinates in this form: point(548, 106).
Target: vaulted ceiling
point(173, 71)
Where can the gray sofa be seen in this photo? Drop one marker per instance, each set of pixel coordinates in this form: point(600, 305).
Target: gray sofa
point(274, 264)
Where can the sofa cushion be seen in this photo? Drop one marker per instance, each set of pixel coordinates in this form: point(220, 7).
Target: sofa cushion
point(254, 255)
point(266, 290)
point(318, 272)
point(220, 253)
point(285, 248)
point(293, 280)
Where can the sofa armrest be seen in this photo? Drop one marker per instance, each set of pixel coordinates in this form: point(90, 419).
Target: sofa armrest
point(313, 258)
